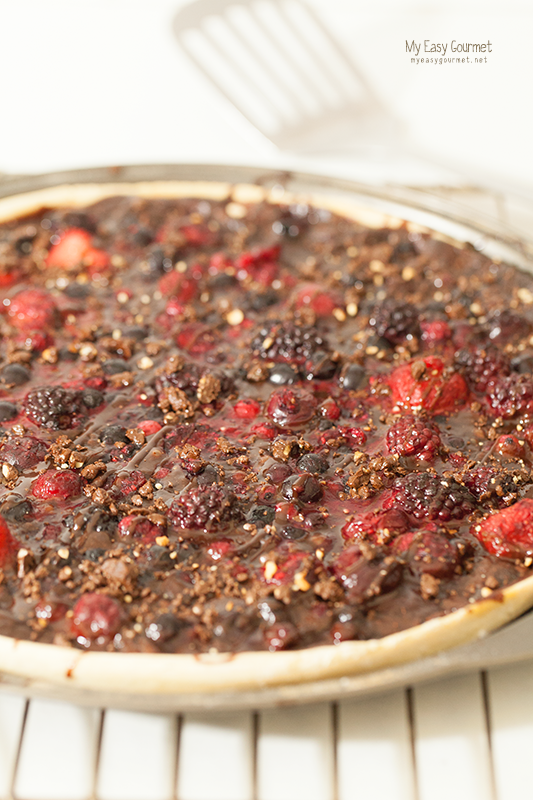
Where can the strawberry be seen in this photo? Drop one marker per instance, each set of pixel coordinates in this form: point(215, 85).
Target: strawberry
point(75, 248)
point(60, 484)
point(508, 533)
point(8, 545)
point(32, 309)
point(425, 384)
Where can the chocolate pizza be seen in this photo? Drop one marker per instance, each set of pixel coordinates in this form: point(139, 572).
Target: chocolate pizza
point(232, 426)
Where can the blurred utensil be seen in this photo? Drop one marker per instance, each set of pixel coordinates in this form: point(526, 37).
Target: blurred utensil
point(279, 65)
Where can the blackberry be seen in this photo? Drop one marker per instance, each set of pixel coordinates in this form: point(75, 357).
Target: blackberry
point(410, 436)
point(207, 506)
point(54, 407)
point(481, 366)
point(395, 321)
point(285, 341)
point(424, 495)
point(511, 395)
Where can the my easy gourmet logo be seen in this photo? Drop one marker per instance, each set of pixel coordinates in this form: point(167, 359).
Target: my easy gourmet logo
point(454, 52)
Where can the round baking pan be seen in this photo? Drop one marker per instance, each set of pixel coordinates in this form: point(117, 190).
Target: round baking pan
point(182, 681)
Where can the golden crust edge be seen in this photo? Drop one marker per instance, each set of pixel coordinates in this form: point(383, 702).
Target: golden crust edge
point(165, 673)
point(159, 673)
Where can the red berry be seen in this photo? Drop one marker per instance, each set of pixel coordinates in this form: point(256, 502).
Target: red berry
point(410, 436)
point(96, 615)
point(508, 533)
point(313, 296)
point(280, 635)
point(511, 395)
point(246, 409)
point(50, 611)
point(396, 321)
point(74, 249)
point(429, 552)
point(139, 528)
point(149, 426)
point(8, 545)
point(196, 338)
point(435, 331)
point(425, 384)
point(205, 507)
point(481, 366)
point(290, 408)
point(23, 452)
point(61, 484)
point(329, 409)
point(129, 483)
point(32, 309)
point(510, 447)
point(220, 549)
point(179, 286)
point(424, 495)
point(265, 430)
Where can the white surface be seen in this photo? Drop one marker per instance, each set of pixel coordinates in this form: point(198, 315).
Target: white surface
point(452, 748)
point(138, 756)
point(374, 752)
point(216, 757)
point(295, 753)
point(58, 738)
point(11, 719)
point(511, 711)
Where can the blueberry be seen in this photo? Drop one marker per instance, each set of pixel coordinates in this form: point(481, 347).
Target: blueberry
point(352, 377)
point(15, 375)
point(77, 291)
point(7, 410)
point(114, 366)
point(262, 515)
point(94, 553)
point(113, 433)
point(15, 509)
point(92, 398)
point(523, 364)
point(208, 475)
point(292, 532)
point(164, 628)
point(282, 374)
point(312, 462)
point(304, 487)
point(135, 332)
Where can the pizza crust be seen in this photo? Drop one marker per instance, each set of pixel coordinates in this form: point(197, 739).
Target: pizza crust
point(164, 674)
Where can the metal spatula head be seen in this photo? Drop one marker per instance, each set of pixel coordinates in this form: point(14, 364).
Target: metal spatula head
point(279, 65)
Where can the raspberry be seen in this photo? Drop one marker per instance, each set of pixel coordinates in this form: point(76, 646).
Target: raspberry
point(425, 384)
point(313, 296)
point(32, 309)
point(429, 496)
point(95, 616)
point(285, 341)
point(368, 525)
point(61, 484)
point(487, 483)
point(511, 395)
point(139, 528)
point(290, 408)
point(207, 506)
point(177, 285)
point(509, 532)
point(435, 331)
point(260, 265)
point(8, 545)
point(429, 552)
point(197, 338)
point(246, 409)
point(395, 321)
point(481, 366)
point(130, 483)
point(23, 452)
point(54, 407)
point(410, 436)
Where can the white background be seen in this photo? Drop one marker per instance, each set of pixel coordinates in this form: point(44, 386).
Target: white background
point(105, 82)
